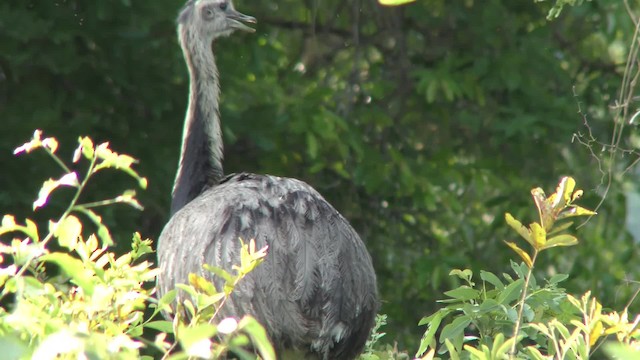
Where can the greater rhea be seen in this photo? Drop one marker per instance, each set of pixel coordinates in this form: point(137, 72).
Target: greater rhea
point(316, 292)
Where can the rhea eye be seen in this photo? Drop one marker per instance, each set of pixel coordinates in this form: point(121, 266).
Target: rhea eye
point(223, 5)
point(207, 13)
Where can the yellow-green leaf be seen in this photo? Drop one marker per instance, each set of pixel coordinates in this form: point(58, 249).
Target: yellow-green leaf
point(70, 179)
point(559, 228)
point(564, 191)
point(517, 226)
point(575, 210)
point(576, 195)
point(68, 231)
point(395, 2)
point(538, 235)
point(33, 144)
point(596, 332)
point(523, 254)
point(258, 336)
point(545, 211)
point(74, 268)
point(201, 284)
point(560, 240)
point(85, 148)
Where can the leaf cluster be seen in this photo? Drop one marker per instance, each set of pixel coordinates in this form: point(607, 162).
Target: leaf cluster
point(67, 295)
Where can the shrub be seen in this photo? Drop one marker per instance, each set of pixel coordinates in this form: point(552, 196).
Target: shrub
point(67, 296)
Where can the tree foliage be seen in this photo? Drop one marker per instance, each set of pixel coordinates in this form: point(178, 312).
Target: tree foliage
point(420, 123)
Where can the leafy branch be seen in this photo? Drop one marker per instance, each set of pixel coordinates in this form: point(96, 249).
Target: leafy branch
point(544, 234)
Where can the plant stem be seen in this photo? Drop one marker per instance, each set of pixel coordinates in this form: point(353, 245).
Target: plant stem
point(57, 160)
point(523, 297)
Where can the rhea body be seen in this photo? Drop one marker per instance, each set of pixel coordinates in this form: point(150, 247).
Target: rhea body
point(316, 290)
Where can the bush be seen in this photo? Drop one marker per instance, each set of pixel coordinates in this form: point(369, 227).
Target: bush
point(517, 317)
point(68, 296)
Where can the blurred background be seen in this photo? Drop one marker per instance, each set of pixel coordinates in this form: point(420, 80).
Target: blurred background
point(423, 124)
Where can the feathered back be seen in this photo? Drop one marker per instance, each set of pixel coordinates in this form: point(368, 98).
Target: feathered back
point(316, 290)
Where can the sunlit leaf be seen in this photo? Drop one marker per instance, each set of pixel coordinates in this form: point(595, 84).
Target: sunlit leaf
point(128, 197)
point(576, 195)
point(201, 284)
point(563, 192)
point(9, 224)
point(85, 148)
point(196, 340)
point(74, 268)
point(575, 210)
point(219, 272)
point(160, 325)
point(538, 235)
point(395, 2)
point(68, 231)
point(523, 254)
point(33, 144)
point(545, 210)
point(517, 226)
point(560, 240)
point(596, 332)
point(559, 228)
point(48, 186)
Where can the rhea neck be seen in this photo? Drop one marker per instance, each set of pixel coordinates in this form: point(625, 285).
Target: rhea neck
point(201, 155)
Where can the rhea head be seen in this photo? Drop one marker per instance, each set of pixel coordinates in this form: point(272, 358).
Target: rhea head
point(210, 19)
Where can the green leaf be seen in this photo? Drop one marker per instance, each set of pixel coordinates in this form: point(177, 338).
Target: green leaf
point(535, 353)
point(68, 231)
point(488, 305)
point(9, 224)
point(475, 353)
point(219, 272)
point(455, 328)
point(463, 293)
point(558, 228)
point(561, 240)
point(518, 227)
point(523, 254)
point(395, 2)
point(557, 278)
point(164, 303)
point(491, 279)
point(433, 322)
point(575, 210)
point(70, 179)
point(453, 353)
point(160, 325)
point(190, 338)
point(259, 338)
point(538, 236)
point(510, 292)
point(201, 284)
point(465, 274)
point(74, 268)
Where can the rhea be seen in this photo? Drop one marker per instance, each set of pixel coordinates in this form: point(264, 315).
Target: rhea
point(316, 292)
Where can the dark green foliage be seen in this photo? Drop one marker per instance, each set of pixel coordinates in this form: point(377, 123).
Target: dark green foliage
point(421, 123)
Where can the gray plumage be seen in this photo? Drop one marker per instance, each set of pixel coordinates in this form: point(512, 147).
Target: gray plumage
point(316, 291)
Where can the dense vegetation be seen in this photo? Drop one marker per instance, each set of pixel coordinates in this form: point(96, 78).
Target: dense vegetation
point(423, 124)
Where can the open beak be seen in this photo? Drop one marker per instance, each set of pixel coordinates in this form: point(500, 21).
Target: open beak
point(238, 19)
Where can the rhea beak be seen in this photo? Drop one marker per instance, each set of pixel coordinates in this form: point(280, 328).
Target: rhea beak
point(238, 19)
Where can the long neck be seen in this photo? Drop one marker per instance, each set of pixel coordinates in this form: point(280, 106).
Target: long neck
point(201, 156)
